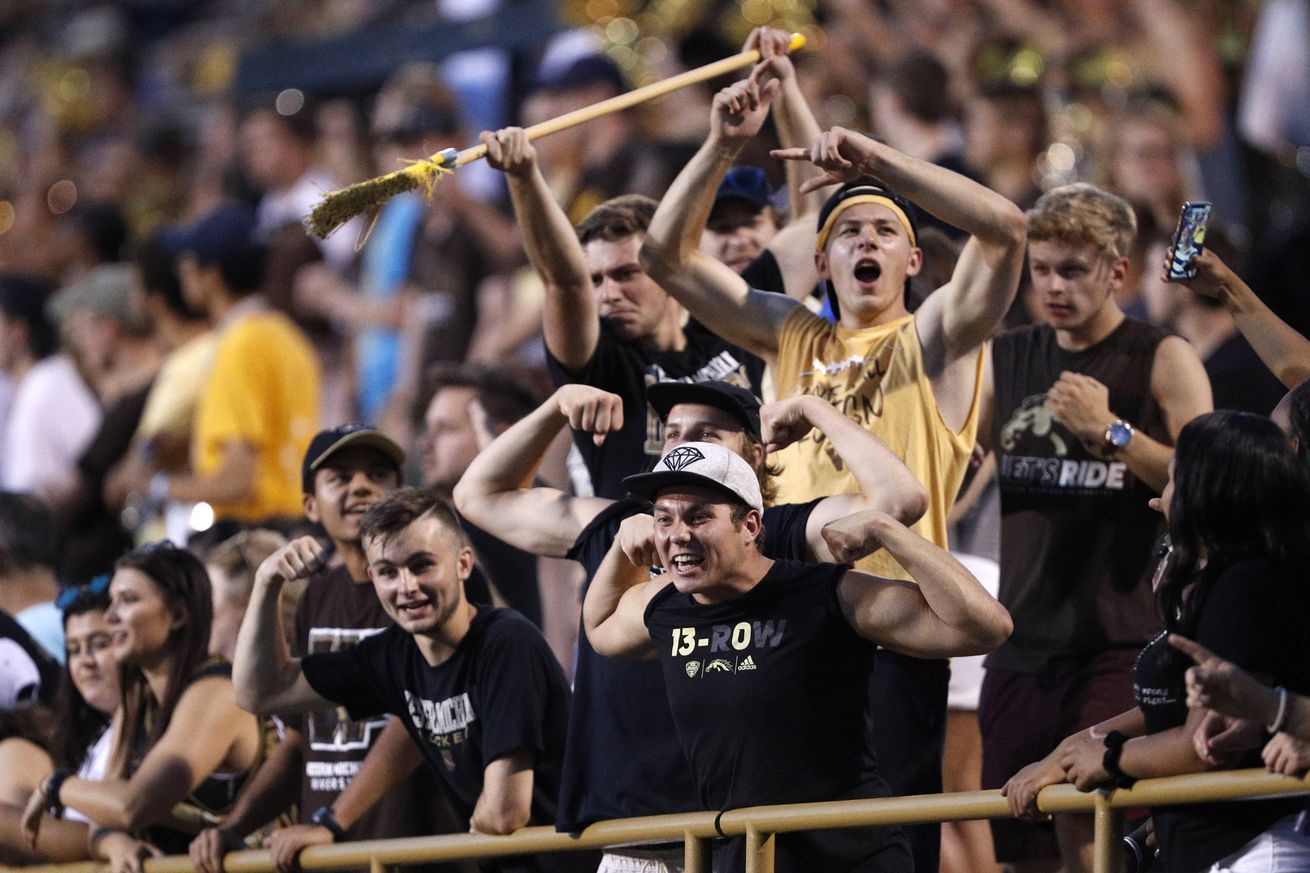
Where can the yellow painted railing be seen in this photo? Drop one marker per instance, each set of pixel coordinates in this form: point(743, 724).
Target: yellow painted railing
point(759, 824)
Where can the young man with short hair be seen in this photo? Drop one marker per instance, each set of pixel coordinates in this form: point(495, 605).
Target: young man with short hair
point(346, 470)
point(469, 404)
point(606, 323)
point(477, 688)
point(1081, 413)
point(766, 662)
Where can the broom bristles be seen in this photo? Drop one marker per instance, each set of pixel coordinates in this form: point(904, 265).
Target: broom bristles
point(338, 207)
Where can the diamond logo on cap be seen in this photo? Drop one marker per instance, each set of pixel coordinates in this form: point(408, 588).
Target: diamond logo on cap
point(682, 457)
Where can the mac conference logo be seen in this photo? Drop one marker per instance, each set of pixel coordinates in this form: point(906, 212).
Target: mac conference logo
point(693, 667)
point(682, 457)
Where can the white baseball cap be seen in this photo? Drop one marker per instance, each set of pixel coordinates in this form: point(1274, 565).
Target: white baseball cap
point(705, 464)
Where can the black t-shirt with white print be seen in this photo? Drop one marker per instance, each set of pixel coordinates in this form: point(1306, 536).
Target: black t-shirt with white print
point(336, 612)
point(1250, 614)
point(769, 692)
point(501, 691)
point(626, 369)
point(623, 757)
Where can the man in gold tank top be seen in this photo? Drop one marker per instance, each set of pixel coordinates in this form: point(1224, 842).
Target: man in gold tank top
point(912, 380)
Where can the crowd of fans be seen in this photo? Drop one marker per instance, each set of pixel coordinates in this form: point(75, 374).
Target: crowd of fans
point(856, 369)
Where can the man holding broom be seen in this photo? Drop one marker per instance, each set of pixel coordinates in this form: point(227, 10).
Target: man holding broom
point(607, 323)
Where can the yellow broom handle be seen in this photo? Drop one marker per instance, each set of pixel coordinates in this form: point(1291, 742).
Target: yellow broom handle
point(632, 98)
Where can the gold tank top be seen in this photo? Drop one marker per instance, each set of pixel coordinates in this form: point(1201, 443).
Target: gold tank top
point(876, 377)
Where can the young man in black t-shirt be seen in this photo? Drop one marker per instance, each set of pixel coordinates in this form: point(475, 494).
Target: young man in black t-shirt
point(766, 662)
point(606, 323)
point(1081, 412)
point(345, 471)
point(478, 690)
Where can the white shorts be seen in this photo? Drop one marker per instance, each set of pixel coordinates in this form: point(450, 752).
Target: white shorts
point(967, 672)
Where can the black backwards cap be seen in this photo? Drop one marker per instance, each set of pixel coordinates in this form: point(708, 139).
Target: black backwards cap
point(732, 399)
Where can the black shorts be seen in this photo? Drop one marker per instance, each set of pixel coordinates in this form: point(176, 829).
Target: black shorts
point(1024, 716)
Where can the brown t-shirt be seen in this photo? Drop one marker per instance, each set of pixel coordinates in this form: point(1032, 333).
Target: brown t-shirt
point(1076, 531)
point(336, 612)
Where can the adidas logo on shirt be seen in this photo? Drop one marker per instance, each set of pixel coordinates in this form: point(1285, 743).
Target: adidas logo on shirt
point(747, 664)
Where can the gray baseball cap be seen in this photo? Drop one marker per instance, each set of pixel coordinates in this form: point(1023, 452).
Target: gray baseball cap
point(704, 464)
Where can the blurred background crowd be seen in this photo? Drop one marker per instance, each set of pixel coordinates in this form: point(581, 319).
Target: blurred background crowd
point(133, 131)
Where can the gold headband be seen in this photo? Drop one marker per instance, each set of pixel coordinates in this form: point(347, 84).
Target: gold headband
point(891, 204)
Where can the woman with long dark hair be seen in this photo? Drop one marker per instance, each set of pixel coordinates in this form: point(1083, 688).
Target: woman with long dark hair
point(182, 748)
point(1238, 510)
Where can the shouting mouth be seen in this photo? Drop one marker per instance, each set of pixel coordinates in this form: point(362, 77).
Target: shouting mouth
point(867, 272)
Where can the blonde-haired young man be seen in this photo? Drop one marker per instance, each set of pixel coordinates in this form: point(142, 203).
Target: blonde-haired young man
point(1081, 412)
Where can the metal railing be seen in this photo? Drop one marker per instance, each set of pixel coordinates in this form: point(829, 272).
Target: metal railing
point(760, 824)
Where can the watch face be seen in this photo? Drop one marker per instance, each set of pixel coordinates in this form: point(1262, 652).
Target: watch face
point(1118, 434)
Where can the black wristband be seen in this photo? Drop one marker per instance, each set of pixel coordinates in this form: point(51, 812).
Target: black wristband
point(53, 783)
point(1114, 747)
point(323, 817)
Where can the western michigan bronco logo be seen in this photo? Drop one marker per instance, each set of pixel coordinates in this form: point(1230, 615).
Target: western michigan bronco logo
point(1034, 418)
point(1040, 456)
point(682, 457)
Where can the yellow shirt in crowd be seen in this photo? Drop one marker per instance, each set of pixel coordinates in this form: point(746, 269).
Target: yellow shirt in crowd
point(876, 377)
point(264, 391)
point(171, 404)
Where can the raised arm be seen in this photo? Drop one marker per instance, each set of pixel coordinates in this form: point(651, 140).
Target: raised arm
point(964, 312)
point(613, 613)
point(711, 291)
point(886, 485)
point(947, 613)
point(264, 675)
point(570, 322)
point(796, 126)
point(1285, 352)
point(496, 492)
point(793, 246)
point(175, 765)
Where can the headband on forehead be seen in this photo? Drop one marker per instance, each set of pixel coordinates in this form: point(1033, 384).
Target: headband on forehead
point(854, 197)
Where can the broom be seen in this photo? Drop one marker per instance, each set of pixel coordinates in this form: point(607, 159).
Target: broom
point(338, 207)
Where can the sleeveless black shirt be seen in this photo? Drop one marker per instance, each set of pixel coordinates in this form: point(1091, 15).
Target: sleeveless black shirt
point(1076, 532)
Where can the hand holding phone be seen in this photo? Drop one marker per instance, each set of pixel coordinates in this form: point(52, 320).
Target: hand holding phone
point(1189, 240)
